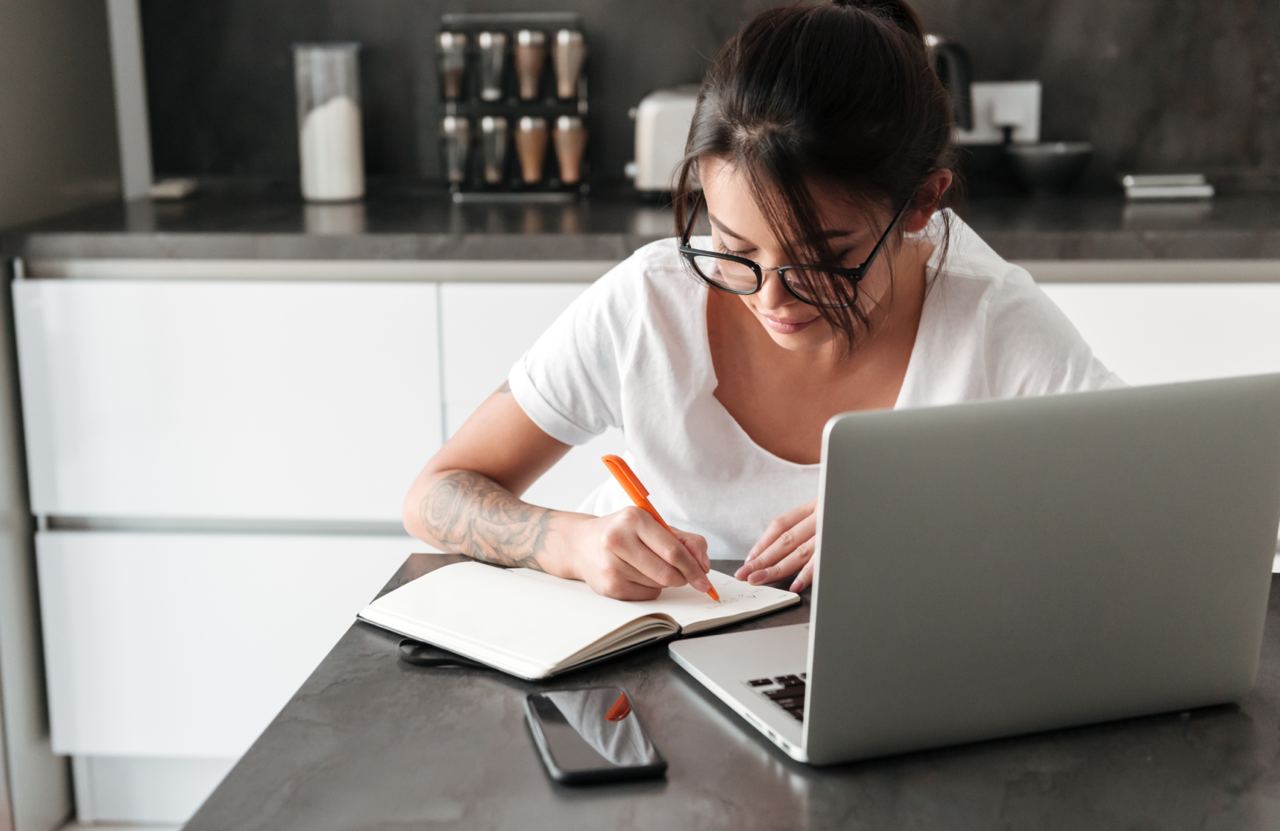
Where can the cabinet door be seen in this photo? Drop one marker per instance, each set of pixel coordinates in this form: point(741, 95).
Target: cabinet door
point(202, 400)
point(160, 644)
point(1160, 332)
point(485, 328)
point(1152, 333)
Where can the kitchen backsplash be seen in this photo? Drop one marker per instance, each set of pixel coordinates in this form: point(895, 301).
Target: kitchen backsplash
point(1155, 85)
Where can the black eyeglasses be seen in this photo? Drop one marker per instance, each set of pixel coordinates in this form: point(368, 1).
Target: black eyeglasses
point(740, 275)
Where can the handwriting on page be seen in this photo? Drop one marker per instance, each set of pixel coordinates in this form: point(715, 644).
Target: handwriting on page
point(732, 592)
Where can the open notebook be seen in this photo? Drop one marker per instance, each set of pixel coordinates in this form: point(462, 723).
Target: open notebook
point(533, 625)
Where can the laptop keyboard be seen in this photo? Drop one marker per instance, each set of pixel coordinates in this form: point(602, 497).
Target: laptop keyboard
point(787, 691)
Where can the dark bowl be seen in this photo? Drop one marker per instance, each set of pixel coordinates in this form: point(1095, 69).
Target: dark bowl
point(1049, 167)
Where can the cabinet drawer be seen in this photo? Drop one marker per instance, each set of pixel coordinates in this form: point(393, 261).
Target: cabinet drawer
point(227, 399)
point(1153, 333)
point(485, 329)
point(188, 644)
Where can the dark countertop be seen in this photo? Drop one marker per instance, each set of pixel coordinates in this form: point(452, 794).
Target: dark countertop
point(367, 742)
point(427, 226)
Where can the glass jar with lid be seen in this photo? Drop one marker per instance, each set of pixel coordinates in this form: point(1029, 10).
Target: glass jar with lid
point(330, 142)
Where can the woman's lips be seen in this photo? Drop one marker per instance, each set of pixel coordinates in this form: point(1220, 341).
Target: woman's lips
point(785, 326)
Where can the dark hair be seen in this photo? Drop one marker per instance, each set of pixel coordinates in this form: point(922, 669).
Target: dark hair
point(840, 94)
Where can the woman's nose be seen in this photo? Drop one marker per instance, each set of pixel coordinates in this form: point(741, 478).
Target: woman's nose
point(772, 292)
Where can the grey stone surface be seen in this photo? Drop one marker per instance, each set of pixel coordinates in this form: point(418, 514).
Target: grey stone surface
point(267, 225)
point(370, 743)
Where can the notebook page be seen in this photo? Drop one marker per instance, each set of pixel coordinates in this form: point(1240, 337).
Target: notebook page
point(688, 606)
point(489, 613)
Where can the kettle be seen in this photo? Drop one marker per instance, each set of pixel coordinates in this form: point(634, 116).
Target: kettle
point(951, 62)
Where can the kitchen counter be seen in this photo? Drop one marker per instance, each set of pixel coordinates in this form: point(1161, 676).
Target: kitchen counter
point(368, 742)
point(256, 226)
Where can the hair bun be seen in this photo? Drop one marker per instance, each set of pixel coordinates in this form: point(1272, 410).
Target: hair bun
point(898, 11)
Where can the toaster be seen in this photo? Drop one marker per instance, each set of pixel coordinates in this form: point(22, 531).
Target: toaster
point(662, 121)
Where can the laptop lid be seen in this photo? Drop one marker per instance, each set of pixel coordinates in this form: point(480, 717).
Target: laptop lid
point(998, 567)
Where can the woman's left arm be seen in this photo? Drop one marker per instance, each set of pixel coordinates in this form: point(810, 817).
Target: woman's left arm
point(786, 547)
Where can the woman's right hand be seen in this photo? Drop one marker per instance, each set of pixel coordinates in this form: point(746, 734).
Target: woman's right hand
point(628, 555)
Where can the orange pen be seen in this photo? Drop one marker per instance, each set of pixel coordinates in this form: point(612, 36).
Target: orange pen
point(640, 496)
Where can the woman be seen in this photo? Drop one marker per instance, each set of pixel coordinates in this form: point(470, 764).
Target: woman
point(821, 136)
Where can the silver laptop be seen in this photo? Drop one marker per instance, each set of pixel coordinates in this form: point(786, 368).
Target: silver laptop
point(1001, 567)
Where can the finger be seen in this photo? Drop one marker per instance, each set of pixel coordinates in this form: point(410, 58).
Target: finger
point(642, 541)
point(782, 541)
point(635, 553)
point(632, 591)
point(694, 544)
point(617, 567)
point(776, 528)
point(664, 544)
point(788, 565)
point(621, 588)
point(614, 577)
point(787, 542)
point(805, 578)
point(636, 592)
point(697, 545)
point(625, 571)
point(621, 541)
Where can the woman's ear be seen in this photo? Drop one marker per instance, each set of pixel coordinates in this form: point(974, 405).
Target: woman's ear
point(930, 196)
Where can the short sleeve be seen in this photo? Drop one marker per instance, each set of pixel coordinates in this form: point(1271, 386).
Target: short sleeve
point(1033, 348)
point(569, 380)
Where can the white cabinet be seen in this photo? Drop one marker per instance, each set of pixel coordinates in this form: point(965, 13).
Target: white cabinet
point(245, 400)
point(1151, 333)
point(166, 654)
point(227, 406)
point(485, 328)
point(187, 644)
point(1160, 332)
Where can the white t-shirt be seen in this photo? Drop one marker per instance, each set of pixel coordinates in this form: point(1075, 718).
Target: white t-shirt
point(632, 352)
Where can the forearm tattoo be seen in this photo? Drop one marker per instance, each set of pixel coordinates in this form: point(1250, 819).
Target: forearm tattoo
point(474, 515)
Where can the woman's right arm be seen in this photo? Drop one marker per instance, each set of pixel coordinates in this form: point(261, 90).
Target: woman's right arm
point(466, 500)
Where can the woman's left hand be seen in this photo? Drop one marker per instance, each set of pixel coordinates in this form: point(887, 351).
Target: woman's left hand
point(785, 548)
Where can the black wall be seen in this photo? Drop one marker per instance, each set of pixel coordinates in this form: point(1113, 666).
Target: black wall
point(1155, 84)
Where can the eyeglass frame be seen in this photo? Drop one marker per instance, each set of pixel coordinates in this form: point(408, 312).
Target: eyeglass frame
point(854, 273)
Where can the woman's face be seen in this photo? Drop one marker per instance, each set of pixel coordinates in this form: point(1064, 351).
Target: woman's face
point(737, 227)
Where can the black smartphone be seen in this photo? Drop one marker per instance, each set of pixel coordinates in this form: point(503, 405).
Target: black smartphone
point(591, 735)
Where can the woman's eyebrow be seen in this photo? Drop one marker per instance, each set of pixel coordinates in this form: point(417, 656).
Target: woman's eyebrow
point(828, 234)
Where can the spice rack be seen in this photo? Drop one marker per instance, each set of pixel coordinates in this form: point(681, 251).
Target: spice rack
point(513, 120)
